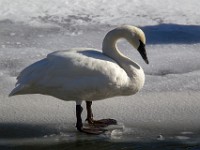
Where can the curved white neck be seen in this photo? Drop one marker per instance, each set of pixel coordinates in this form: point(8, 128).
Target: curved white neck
point(110, 49)
point(109, 46)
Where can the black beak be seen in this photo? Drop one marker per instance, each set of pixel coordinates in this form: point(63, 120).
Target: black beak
point(142, 52)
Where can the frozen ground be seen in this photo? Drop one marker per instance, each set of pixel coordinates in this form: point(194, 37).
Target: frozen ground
point(167, 108)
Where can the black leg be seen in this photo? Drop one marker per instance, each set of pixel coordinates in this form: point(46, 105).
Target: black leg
point(89, 112)
point(97, 123)
point(79, 123)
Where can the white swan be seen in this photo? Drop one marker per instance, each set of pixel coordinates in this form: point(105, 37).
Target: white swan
point(87, 74)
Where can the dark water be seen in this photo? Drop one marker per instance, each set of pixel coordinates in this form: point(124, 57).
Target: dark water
point(92, 145)
point(106, 145)
point(115, 140)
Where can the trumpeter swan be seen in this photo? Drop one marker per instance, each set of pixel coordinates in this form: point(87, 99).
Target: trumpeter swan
point(87, 74)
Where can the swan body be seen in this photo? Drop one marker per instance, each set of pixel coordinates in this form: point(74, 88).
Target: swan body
point(87, 74)
point(78, 74)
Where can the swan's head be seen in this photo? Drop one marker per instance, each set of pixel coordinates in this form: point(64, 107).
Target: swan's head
point(137, 38)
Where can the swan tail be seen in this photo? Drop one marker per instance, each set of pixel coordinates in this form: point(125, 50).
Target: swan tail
point(19, 90)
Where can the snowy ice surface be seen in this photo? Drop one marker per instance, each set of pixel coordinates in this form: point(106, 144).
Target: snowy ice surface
point(86, 12)
point(169, 101)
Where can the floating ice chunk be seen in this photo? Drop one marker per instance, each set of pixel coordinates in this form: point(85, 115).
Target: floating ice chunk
point(3, 46)
point(62, 134)
point(119, 126)
point(116, 134)
point(12, 34)
point(182, 137)
point(186, 132)
point(160, 137)
point(52, 135)
point(40, 35)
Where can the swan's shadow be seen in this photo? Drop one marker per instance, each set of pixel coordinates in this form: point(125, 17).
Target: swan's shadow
point(172, 33)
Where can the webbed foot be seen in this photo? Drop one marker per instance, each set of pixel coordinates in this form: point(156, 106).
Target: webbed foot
point(92, 130)
point(101, 123)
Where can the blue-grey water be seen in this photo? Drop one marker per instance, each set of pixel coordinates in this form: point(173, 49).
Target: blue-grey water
point(42, 137)
point(89, 142)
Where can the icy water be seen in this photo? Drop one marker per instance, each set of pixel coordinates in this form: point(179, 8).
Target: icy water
point(109, 141)
point(123, 138)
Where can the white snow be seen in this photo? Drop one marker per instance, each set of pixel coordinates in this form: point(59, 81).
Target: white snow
point(86, 12)
point(170, 98)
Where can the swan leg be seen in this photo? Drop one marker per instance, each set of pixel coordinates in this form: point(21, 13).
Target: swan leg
point(97, 123)
point(79, 123)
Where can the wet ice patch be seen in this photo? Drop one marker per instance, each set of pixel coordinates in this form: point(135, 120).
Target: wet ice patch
point(160, 138)
point(187, 133)
point(182, 137)
point(116, 134)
